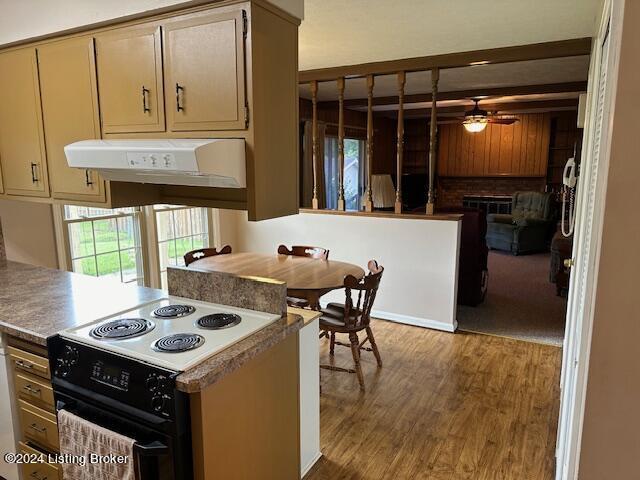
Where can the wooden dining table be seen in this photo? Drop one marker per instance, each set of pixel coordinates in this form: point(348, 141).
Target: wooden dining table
point(307, 278)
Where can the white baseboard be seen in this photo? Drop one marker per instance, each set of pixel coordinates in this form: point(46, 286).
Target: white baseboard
point(306, 469)
point(409, 320)
point(415, 321)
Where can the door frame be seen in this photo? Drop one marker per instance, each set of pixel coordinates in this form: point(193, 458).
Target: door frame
point(586, 248)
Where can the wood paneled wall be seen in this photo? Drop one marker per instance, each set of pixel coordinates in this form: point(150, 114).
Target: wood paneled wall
point(518, 150)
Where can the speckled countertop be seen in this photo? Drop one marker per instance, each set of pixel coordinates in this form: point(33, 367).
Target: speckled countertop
point(38, 303)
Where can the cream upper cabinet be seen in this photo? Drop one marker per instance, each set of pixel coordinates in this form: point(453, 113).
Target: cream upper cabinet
point(22, 151)
point(130, 80)
point(70, 113)
point(205, 72)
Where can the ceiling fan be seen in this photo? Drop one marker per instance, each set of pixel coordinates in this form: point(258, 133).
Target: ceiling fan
point(476, 119)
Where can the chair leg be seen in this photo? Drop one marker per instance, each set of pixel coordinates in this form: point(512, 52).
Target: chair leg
point(355, 351)
point(332, 343)
point(374, 346)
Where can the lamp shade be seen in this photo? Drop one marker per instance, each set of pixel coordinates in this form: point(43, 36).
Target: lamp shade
point(382, 191)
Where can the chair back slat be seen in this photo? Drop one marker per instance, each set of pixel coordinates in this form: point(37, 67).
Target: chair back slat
point(304, 251)
point(358, 316)
point(200, 253)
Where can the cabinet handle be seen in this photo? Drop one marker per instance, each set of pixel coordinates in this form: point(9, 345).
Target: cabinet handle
point(179, 89)
point(36, 476)
point(35, 427)
point(145, 101)
point(31, 390)
point(34, 178)
point(87, 178)
point(22, 364)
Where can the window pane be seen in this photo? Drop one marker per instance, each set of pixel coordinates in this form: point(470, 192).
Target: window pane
point(164, 221)
point(106, 235)
point(199, 220)
point(86, 266)
point(127, 233)
point(182, 223)
point(352, 174)
point(163, 253)
point(81, 239)
point(112, 246)
point(130, 265)
point(109, 264)
point(183, 245)
point(200, 241)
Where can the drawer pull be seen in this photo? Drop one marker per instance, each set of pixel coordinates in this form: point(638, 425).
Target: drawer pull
point(31, 390)
point(37, 477)
point(179, 91)
point(145, 103)
point(34, 177)
point(34, 426)
point(23, 364)
point(87, 178)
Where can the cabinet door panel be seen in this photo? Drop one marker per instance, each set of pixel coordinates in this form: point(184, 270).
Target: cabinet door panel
point(130, 80)
point(70, 114)
point(22, 152)
point(204, 71)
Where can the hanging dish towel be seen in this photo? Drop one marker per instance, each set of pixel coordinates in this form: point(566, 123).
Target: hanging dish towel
point(78, 437)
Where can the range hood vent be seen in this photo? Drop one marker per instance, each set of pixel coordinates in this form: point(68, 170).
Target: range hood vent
point(192, 162)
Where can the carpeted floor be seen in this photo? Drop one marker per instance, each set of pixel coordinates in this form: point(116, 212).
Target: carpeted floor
point(521, 303)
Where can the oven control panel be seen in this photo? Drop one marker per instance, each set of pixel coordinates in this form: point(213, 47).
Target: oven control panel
point(161, 389)
point(85, 370)
point(110, 375)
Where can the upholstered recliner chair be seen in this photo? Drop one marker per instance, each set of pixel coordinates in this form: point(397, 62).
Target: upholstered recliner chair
point(526, 229)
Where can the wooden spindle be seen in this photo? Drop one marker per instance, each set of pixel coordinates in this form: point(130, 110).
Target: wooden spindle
point(368, 203)
point(433, 134)
point(314, 142)
point(400, 144)
point(341, 202)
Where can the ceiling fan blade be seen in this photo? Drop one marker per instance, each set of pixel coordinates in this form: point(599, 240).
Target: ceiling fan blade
point(502, 121)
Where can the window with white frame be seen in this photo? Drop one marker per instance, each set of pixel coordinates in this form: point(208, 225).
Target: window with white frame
point(179, 230)
point(104, 243)
point(134, 244)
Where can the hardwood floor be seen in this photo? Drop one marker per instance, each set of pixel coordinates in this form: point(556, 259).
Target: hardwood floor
point(443, 406)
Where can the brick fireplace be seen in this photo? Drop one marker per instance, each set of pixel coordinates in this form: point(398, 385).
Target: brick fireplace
point(452, 189)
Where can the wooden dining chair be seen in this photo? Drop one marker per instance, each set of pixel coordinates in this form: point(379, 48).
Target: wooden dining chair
point(194, 255)
point(353, 318)
point(302, 251)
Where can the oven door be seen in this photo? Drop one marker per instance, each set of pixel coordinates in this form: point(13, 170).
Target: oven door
point(153, 450)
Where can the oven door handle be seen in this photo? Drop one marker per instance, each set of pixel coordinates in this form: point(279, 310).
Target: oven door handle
point(62, 405)
point(153, 449)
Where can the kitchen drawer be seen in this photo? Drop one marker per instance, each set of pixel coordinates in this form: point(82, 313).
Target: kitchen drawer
point(22, 361)
point(34, 390)
point(38, 471)
point(38, 425)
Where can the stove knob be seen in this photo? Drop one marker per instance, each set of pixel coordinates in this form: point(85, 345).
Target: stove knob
point(163, 382)
point(152, 382)
point(157, 403)
point(71, 355)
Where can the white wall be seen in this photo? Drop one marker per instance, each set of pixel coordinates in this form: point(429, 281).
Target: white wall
point(20, 19)
point(420, 257)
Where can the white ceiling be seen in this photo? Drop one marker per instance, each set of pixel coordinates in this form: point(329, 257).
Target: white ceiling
point(347, 32)
point(535, 72)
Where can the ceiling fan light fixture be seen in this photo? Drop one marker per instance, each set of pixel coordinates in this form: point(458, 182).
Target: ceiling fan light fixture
point(475, 124)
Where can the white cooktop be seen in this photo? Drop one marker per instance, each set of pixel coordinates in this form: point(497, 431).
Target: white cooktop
point(141, 347)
